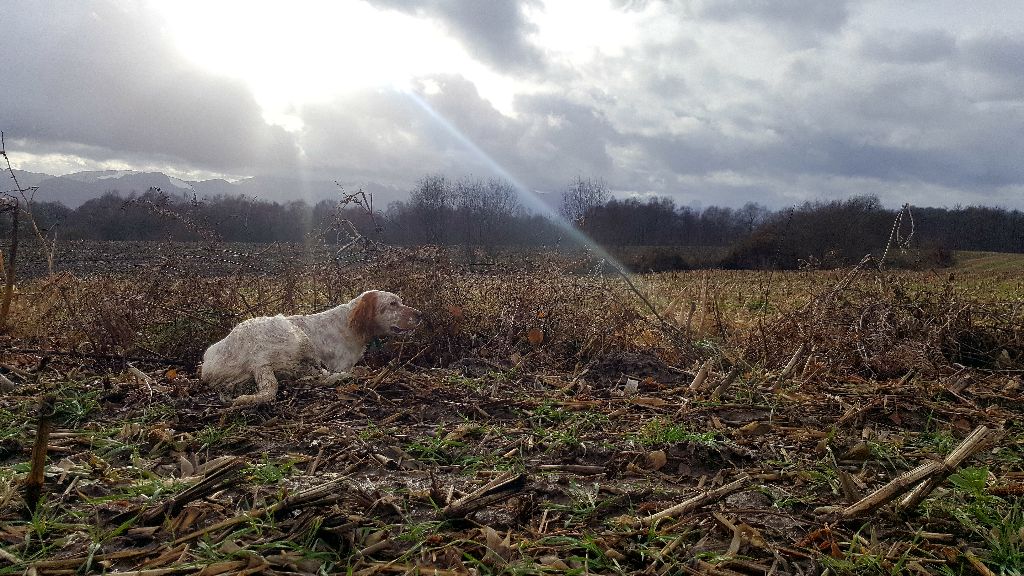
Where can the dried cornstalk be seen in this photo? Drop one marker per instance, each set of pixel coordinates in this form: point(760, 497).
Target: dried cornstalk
point(793, 361)
point(328, 492)
point(697, 501)
point(906, 481)
point(496, 490)
point(702, 374)
point(726, 382)
point(974, 442)
point(573, 468)
point(5, 303)
point(36, 476)
point(222, 474)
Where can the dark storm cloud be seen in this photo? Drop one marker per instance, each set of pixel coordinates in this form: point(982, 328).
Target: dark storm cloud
point(102, 78)
point(495, 32)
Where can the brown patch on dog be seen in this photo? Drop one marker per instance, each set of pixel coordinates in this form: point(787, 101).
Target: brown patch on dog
point(363, 318)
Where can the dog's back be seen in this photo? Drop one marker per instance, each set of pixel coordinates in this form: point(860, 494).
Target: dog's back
point(267, 341)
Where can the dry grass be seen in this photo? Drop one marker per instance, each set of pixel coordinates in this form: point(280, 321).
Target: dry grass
point(522, 371)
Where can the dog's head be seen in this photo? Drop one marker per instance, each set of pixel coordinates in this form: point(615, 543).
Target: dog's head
point(377, 313)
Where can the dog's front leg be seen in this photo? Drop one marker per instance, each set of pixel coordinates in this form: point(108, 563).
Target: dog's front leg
point(328, 378)
point(266, 389)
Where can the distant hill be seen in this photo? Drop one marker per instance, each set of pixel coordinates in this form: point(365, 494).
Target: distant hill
point(75, 189)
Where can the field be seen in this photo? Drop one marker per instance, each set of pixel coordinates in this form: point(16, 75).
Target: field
point(550, 417)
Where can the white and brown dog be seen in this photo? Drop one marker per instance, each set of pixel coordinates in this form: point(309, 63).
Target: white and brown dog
point(329, 342)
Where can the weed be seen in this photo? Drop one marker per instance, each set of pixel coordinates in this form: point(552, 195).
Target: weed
point(215, 435)
point(269, 472)
point(567, 428)
point(74, 405)
point(439, 449)
point(659, 432)
point(941, 441)
point(890, 453)
point(12, 424)
point(994, 520)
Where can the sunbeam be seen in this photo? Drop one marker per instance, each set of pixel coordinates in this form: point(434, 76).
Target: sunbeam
point(525, 194)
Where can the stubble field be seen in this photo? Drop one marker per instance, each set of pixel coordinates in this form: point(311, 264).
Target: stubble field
point(550, 417)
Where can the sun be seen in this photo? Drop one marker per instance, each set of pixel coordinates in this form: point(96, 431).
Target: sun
point(308, 51)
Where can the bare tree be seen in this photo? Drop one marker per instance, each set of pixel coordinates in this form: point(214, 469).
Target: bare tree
point(486, 210)
point(432, 203)
point(26, 198)
point(582, 196)
point(9, 204)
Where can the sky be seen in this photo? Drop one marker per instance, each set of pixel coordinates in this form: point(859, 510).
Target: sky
point(708, 102)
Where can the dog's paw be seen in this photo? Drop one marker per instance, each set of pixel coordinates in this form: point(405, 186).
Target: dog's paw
point(335, 378)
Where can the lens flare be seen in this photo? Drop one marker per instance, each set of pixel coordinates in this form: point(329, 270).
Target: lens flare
point(530, 200)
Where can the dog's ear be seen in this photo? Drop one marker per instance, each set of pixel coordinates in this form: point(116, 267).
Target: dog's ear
point(363, 318)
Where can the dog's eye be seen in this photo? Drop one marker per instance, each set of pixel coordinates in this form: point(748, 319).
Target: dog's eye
point(393, 303)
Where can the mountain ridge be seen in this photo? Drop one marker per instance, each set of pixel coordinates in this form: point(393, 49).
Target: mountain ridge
point(77, 188)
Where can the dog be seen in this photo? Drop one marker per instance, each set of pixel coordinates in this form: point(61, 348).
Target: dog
point(328, 343)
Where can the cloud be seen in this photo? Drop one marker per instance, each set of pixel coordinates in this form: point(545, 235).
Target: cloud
point(910, 47)
point(100, 78)
point(793, 20)
point(495, 32)
point(711, 101)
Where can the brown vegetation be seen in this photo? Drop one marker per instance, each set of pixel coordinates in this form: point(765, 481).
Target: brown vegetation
point(544, 420)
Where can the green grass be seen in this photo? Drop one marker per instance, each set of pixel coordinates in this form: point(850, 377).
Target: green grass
point(659, 432)
point(440, 449)
point(267, 471)
point(211, 435)
point(983, 263)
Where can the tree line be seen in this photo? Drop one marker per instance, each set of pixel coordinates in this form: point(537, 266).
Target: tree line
point(490, 213)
